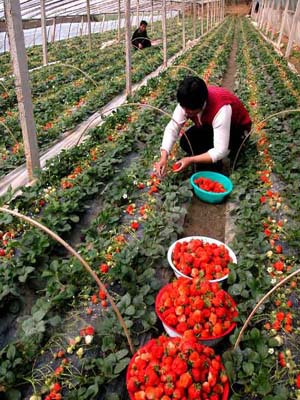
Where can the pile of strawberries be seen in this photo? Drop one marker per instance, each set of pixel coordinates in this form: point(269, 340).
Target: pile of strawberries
point(176, 368)
point(197, 258)
point(202, 307)
point(209, 185)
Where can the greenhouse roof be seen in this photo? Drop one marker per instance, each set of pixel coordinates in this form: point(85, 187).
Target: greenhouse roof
point(32, 8)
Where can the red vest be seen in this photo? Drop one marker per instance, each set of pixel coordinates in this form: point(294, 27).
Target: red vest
point(219, 97)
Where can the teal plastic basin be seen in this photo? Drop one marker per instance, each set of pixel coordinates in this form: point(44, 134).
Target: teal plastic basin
point(210, 197)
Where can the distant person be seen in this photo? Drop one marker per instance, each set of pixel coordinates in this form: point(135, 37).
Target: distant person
point(140, 39)
point(220, 123)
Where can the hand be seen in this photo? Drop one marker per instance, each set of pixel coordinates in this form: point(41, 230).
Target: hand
point(183, 164)
point(160, 167)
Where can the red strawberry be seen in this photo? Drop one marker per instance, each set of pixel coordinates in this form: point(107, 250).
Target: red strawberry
point(176, 166)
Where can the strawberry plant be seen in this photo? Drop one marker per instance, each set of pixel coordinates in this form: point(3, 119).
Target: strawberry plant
point(264, 215)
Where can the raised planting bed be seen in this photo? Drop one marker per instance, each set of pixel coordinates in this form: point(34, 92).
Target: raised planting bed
point(265, 361)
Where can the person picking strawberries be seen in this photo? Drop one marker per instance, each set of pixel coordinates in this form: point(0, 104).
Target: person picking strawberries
point(220, 119)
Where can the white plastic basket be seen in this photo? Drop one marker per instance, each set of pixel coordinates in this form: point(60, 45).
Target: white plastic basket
point(205, 239)
point(207, 342)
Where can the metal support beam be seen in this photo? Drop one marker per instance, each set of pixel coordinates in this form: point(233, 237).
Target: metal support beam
point(128, 48)
point(202, 17)
point(119, 21)
point(270, 16)
point(88, 13)
point(277, 12)
point(164, 31)
point(53, 30)
point(207, 16)
point(151, 16)
point(183, 24)
point(293, 30)
point(194, 19)
point(20, 67)
point(44, 33)
point(283, 22)
point(81, 26)
point(138, 12)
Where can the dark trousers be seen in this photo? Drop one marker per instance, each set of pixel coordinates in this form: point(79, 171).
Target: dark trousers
point(202, 139)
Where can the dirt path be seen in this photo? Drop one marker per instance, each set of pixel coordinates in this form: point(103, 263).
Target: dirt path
point(205, 219)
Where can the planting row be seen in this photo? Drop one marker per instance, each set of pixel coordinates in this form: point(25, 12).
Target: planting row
point(65, 94)
point(126, 249)
point(265, 364)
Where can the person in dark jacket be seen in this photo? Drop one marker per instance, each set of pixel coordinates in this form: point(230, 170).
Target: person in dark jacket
point(220, 123)
point(140, 38)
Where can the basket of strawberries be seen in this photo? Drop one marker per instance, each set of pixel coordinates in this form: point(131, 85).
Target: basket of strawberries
point(195, 307)
point(176, 368)
point(201, 256)
point(211, 187)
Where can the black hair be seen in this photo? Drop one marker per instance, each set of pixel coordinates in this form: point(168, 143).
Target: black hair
point(192, 93)
point(143, 23)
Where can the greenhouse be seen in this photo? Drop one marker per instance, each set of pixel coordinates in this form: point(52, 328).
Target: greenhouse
point(149, 199)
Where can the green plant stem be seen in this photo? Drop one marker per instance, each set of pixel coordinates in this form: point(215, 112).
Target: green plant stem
point(9, 131)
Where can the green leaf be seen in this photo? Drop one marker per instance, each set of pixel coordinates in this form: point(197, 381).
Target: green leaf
point(232, 276)
point(152, 318)
point(54, 321)
point(39, 315)
point(74, 218)
point(11, 352)
point(12, 394)
point(130, 310)
point(255, 334)
point(122, 364)
point(274, 343)
point(263, 385)
point(282, 392)
point(92, 390)
point(229, 369)
point(111, 396)
point(236, 289)
point(121, 354)
point(248, 368)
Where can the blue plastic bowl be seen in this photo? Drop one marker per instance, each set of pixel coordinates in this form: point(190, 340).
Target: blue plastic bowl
point(210, 197)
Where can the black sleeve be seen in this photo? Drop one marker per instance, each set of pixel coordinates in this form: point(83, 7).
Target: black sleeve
point(135, 34)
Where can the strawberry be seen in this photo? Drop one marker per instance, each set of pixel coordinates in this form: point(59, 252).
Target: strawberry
point(298, 381)
point(89, 330)
point(185, 380)
point(141, 395)
point(194, 392)
point(176, 166)
point(179, 366)
point(104, 268)
point(102, 294)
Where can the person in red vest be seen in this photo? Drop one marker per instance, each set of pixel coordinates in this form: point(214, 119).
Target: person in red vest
point(220, 124)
